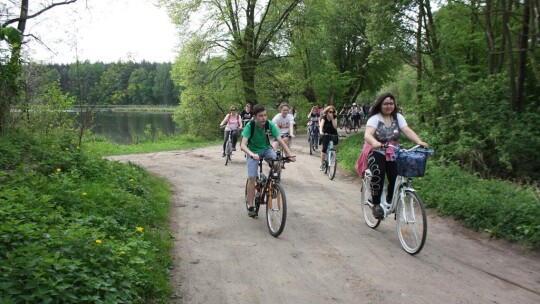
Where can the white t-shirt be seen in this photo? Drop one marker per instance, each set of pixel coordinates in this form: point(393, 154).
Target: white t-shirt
point(282, 123)
point(383, 133)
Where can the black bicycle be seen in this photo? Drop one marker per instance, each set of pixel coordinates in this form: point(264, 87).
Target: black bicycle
point(313, 137)
point(269, 192)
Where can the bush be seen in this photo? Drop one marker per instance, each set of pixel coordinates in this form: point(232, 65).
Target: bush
point(79, 229)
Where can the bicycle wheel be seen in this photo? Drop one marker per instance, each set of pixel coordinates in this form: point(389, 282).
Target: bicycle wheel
point(341, 123)
point(257, 203)
point(332, 164)
point(348, 127)
point(310, 140)
point(411, 222)
point(367, 206)
point(228, 152)
point(276, 209)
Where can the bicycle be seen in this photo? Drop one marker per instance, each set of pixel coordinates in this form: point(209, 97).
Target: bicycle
point(345, 122)
point(269, 192)
point(228, 149)
point(409, 211)
point(355, 125)
point(330, 163)
point(313, 138)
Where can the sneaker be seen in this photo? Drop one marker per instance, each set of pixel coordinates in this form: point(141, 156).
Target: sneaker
point(321, 168)
point(378, 212)
point(251, 212)
point(223, 155)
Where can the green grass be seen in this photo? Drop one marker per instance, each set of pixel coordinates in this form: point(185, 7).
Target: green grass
point(103, 147)
point(500, 208)
point(77, 228)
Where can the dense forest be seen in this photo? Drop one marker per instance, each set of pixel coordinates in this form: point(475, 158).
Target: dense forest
point(124, 83)
point(465, 72)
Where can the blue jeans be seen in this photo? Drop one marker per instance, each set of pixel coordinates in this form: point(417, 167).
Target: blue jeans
point(253, 165)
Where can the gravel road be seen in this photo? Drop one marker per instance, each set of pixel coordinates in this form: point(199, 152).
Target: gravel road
point(326, 253)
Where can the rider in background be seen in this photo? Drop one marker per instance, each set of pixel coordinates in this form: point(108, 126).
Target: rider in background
point(355, 114)
point(345, 110)
point(232, 123)
point(256, 145)
point(328, 125)
point(313, 124)
point(383, 127)
point(285, 123)
point(246, 114)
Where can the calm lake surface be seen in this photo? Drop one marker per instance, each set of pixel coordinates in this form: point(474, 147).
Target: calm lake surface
point(121, 127)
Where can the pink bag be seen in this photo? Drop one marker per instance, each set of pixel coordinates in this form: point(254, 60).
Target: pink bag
point(361, 163)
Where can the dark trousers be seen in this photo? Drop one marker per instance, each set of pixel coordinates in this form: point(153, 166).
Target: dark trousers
point(379, 167)
point(234, 137)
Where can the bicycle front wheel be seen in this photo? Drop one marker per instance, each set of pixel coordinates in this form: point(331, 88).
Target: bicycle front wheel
point(411, 222)
point(367, 205)
point(310, 140)
point(276, 209)
point(348, 127)
point(331, 164)
point(228, 152)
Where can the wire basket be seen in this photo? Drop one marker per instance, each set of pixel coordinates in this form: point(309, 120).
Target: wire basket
point(411, 163)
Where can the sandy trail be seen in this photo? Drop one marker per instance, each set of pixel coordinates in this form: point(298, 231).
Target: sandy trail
point(326, 253)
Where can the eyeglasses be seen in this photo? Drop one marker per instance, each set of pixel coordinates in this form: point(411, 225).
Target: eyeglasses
point(331, 111)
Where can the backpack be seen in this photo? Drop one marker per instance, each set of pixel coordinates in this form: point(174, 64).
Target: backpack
point(266, 130)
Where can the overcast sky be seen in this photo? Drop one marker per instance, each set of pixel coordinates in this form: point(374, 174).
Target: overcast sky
point(106, 31)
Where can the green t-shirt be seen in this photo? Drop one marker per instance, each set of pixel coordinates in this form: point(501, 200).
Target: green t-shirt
point(259, 143)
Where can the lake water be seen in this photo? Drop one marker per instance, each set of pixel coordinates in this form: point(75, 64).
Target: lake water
point(121, 127)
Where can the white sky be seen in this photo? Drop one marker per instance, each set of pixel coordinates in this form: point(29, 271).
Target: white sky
point(106, 31)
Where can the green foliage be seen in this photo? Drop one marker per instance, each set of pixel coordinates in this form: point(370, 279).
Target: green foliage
point(69, 226)
point(501, 208)
point(11, 35)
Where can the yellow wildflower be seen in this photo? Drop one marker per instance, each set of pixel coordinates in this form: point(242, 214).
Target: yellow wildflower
point(132, 180)
point(139, 229)
point(122, 252)
point(84, 194)
point(98, 242)
point(58, 170)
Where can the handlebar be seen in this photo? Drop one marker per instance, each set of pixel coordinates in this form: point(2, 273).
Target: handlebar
point(415, 148)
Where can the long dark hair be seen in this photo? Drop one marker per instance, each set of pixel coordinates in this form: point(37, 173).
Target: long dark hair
point(376, 107)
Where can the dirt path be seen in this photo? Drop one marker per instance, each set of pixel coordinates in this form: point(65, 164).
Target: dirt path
point(326, 253)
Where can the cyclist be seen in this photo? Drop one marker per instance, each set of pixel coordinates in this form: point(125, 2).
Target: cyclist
point(313, 125)
point(354, 113)
point(345, 112)
point(256, 144)
point(328, 125)
point(232, 123)
point(384, 126)
point(285, 122)
point(246, 114)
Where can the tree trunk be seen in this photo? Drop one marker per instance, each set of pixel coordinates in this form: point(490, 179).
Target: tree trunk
point(419, 54)
point(522, 60)
point(511, 67)
point(489, 38)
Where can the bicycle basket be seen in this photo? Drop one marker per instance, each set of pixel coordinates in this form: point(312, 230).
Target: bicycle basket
point(411, 163)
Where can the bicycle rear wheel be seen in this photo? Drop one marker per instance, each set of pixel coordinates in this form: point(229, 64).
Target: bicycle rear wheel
point(411, 222)
point(367, 205)
point(332, 164)
point(348, 127)
point(276, 209)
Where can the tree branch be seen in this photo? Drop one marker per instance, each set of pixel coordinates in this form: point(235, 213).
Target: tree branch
point(8, 22)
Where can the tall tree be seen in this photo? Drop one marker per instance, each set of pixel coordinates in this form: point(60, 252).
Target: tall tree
point(243, 30)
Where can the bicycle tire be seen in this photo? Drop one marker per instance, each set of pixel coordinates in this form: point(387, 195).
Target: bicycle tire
point(228, 152)
point(348, 127)
point(366, 205)
point(341, 123)
point(412, 234)
point(310, 140)
point(257, 205)
point(276, 209)
point(332, 164)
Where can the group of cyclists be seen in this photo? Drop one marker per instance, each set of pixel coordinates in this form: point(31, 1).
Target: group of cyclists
point(384, 126)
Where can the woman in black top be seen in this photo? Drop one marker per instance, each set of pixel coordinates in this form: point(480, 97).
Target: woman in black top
point(328, 125)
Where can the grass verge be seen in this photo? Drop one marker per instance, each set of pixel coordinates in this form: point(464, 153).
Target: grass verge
point(501, 208)
point(77, 228)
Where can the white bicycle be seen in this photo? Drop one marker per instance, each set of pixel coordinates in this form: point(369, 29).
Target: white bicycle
point(406, 205)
